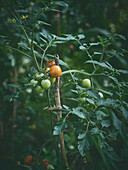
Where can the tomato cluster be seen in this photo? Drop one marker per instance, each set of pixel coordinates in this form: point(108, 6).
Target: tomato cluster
point(86, 83)
point(30, 160)
point(43, 80)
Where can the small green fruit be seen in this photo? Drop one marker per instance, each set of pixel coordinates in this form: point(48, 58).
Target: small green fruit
point(101, 95)
point(34, 82)
point(86, 83)
point(52, 79)
point(39, 89)
point(46, 83)
point(83, 99)
point(39, 76)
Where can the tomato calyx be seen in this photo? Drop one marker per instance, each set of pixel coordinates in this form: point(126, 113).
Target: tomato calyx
point(50, 63)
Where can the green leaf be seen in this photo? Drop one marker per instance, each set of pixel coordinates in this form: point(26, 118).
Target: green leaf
point(63, 63)
point(123, 71)
point(116, 121)
point(125, 112)
point(101, 64)
point(106, 92)
point(43, 23)
point(90, 101)
point(94, 131)
point(105, 123)
point(82, 48)
point(59, 127)
point(80, 112)
point(100, 115)
point(60, 3)
point(81, 36)
point(97, 53)
point(94, 44)
point(15, 86)
point(65, 107)
point(84, 145)
point(82, 135)
point(114, 79)
point(108, 103)
point(91, 94)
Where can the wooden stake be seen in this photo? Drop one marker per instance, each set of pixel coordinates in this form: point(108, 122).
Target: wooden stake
point(59, 114)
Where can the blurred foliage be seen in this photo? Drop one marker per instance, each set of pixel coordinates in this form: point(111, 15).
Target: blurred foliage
point(98, 125)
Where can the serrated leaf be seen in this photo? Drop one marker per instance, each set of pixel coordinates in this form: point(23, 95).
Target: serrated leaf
point(91, 94)
point(100, 115)
point(59, 127)
point(82, 135)
point(84, 145)
point(108, 103)
point(105, 123)
point(94, 131)
point(101, 64)
point(80, 112)
point(90, 101)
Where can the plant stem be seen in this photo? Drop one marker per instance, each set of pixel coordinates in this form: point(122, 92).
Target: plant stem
point(51, 122)
point(59, 115)
point(32, 49)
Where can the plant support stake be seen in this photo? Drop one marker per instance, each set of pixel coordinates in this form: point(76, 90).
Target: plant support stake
point(59, 114)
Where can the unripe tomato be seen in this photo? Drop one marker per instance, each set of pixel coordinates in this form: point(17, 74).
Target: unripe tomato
point(83, 99)
point(34, 82)
point(86, 83)
point(101, 94)
point(52, 79)
point(55, 71)
point(50, 63)
point(39, 76)
point(39, 89)
point(29, 160)
point(46, 83)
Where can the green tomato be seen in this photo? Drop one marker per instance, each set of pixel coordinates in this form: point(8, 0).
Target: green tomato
point(52, 79)
point(83, 99)
point(86, 83)
point(46, 83)
point(101, 95)
point(34, 82)
point(39, 89)
point(39, 76)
